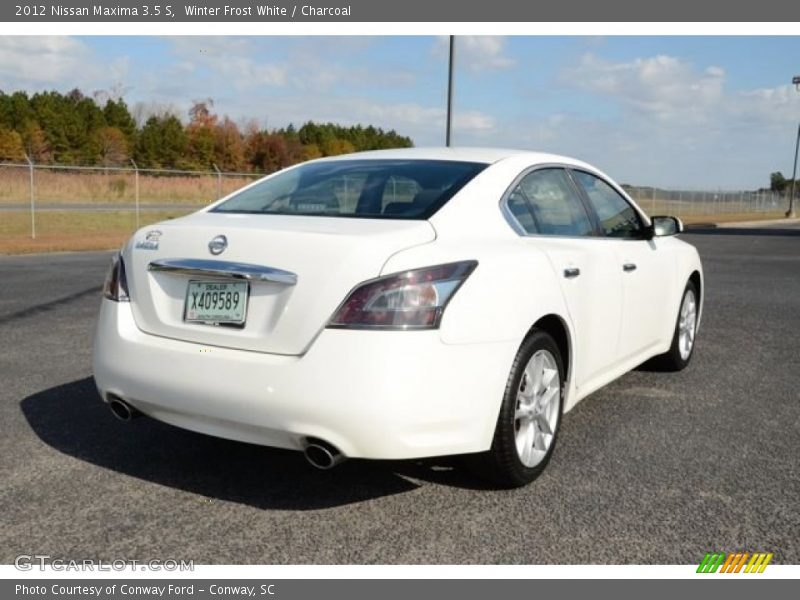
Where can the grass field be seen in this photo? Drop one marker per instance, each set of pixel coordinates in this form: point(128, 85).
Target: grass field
point(71, 230)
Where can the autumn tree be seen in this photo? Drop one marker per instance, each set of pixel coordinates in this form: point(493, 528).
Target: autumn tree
point(337, 146)
point(229, 147)
point(11, 145)
point(35, 142)
point(200, 133)
point(268, 151)
point(109, 146)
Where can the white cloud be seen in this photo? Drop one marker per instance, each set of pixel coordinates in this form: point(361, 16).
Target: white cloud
point(235, 59)
point(36, 63)
point(774, 106)
point(675, 92)
point(666, 121)
point(433, 117)
point(660, 87)
point(476, 52)
point(472, 121)
point(42, 59)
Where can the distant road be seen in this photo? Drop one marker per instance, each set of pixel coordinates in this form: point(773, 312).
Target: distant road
point(98, 206)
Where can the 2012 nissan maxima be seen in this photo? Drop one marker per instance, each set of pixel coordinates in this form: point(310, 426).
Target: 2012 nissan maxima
point(398, 304)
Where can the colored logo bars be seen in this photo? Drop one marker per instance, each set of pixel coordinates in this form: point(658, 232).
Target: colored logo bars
point(734, 562)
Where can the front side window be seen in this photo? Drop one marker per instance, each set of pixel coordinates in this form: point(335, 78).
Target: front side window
point(370, 188)
point(546, 203)
point(617, 216)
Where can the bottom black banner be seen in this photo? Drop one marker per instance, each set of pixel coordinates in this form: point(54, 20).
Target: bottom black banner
point(383, 589)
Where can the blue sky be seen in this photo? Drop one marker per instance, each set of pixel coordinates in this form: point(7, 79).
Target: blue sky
point(694, 112)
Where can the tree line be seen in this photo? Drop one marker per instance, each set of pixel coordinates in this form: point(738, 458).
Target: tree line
point(72, 128)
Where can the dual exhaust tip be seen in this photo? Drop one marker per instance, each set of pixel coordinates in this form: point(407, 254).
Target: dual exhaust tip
point(321, 454)
point(318, 453)
point(122, 410)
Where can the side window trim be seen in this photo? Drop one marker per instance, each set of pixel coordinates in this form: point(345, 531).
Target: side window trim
point(597, 226)
point(620, 192)
point(517, 226)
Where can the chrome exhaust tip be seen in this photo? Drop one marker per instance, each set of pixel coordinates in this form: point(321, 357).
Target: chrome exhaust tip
point(321, 454)
point(122, 410)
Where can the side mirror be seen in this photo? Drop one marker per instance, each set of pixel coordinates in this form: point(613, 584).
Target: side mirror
point(664, 226)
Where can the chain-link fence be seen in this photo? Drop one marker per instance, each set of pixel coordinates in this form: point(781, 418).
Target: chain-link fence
point(56, 207)
point(695, 206)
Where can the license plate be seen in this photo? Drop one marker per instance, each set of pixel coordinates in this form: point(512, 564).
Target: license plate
point(215, 302)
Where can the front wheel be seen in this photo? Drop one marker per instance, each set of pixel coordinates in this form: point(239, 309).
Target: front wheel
point(530, 415)
point(683, 337)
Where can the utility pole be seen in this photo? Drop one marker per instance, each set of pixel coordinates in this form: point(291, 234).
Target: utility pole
point(790, 213)
point(33, 197)
point(219, 180)
point(136, 189)
point(450, 91)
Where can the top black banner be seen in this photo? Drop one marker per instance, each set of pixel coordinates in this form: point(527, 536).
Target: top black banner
point(400, 11)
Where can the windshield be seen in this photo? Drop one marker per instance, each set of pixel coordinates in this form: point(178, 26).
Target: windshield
point(376, 189)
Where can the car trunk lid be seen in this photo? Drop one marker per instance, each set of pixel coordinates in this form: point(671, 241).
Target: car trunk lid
point(317, 262)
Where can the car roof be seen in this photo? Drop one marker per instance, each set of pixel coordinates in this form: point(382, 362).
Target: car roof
point(465, 154)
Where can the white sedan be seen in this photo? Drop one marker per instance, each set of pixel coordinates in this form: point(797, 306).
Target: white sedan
point(398, 304)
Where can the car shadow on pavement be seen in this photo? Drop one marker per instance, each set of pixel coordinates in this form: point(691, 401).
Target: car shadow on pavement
point(72, 419)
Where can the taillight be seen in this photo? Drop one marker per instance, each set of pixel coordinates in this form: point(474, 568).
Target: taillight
point(409, 300)
point(116, 285)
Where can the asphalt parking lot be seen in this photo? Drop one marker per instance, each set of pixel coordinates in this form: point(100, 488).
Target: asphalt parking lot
point(656, 467)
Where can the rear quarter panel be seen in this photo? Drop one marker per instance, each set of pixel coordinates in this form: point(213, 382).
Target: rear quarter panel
point(511, 288)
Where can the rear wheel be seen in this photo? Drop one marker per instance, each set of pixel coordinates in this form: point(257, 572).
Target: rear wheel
point(530, 415)
point(682, 347)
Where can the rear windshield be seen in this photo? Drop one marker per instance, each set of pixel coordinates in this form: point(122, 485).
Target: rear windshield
point(375, 189)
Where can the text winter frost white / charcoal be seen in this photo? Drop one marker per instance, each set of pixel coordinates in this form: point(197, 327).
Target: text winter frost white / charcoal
point(265, 10)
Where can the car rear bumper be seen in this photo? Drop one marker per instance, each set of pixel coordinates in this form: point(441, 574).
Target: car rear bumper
point(372, 394)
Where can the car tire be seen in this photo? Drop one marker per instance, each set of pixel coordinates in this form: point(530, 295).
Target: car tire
point(518, 456)
point(678, 356)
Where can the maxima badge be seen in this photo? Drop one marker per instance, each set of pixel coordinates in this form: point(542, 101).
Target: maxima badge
point(150, 241)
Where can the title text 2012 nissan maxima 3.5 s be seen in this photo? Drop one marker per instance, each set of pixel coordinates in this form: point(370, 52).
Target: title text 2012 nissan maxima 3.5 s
point(398, 304)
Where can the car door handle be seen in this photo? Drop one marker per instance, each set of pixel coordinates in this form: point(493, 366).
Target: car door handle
point(572, 272)
point(628, 267)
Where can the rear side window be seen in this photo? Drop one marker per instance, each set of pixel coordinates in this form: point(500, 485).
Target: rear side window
point(370, 188)
point(546, 203)
point(617, 216)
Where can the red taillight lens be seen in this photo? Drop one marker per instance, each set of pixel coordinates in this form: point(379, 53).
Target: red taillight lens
point(116, 285)
point(409, 300)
